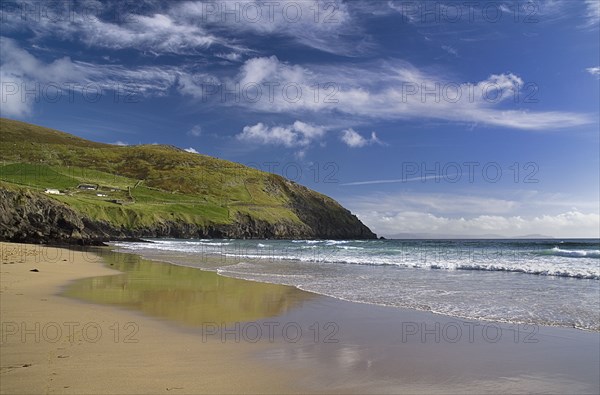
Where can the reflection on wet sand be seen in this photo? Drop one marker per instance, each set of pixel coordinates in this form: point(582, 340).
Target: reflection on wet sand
point(183, 294)
point(371, 349)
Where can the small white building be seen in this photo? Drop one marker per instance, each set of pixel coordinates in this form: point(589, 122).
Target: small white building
point(52, 191)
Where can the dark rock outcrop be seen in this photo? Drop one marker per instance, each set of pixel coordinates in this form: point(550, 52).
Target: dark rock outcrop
point(324, 216)
point(32, 217)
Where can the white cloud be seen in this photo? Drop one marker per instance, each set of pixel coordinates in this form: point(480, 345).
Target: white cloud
point(12, 104)
point(567, 224)
point(22, 73)
point(593, 70)
point(121, 143)
point(467, 215)
point(191, 150)
point(296, 135)
point(354, 140)
point(195, 131)
point(157, 33)
point(390, 90)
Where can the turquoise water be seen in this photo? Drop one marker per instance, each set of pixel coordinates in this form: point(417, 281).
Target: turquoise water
point(546, 282)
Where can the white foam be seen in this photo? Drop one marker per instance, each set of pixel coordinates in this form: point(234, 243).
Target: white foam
point(551, 262)
point(575, 253)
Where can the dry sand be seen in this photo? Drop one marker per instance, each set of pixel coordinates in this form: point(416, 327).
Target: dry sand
point(50, 344)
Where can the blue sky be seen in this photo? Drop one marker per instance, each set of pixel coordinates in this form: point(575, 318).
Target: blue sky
point(433, 119)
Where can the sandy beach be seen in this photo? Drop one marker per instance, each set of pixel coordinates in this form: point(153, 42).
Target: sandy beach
point(54, 344)
point(141, 326)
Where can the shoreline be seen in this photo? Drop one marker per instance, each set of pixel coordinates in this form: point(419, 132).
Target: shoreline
point(345, 347)
point(405, 309)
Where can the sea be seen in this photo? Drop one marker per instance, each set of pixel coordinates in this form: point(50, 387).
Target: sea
point(540, 282)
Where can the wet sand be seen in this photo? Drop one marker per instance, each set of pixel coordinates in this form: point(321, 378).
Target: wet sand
point(54, 344)
point(379, 349)
point(201, 332)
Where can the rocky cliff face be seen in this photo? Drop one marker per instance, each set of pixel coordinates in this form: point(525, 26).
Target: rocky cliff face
point(27, 216)
point(30, 217)
point(325, 218)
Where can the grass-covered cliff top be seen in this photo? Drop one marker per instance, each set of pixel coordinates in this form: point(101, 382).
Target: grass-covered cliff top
point(136, 186)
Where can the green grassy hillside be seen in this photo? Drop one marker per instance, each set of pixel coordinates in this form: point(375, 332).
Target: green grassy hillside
point(135, 187)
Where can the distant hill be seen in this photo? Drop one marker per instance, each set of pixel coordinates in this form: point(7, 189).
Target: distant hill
point(56, 187)
point(534, 236)
point(442, 236)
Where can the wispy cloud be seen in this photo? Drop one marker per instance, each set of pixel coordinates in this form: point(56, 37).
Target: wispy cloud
point(450, 50)
point(195, 131)
point(553, 11)
point(594, 70)
point(194, 27)
point(126, 28)
point(481, 19)
point(391, 90)
point(230, 56)
point(191, 150)
point(592, 13)
point(400, 180)
point(325, 25)
point(20, 70)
